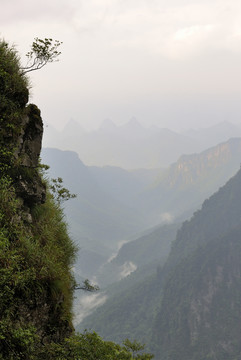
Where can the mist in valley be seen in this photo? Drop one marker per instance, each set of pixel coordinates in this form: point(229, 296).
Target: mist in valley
point(125, 221)
point(142, 121)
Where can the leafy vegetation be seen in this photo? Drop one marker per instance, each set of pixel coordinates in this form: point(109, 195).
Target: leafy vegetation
point(35, 275)
point(90, 346)
point(43, 51)
point(59, 192)
point(37, 287)
point(13, 98)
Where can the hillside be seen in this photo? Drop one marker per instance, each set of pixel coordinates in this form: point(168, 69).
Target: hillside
point(36, 253)
point(193, 178)
point(200, 313)
point(191, 303)
point(135, 263)
point(96, 213)
point(115, 205)
point(146, 251)
point(203, 270)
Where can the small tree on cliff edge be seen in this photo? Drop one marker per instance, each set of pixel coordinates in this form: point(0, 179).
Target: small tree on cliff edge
point(43, 51)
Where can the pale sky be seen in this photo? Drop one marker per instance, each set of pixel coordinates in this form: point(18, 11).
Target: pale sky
point(173, 63)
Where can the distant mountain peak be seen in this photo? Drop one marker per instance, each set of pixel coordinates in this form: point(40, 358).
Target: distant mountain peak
point(73, 126)
point(133, 123)
point(107, 124)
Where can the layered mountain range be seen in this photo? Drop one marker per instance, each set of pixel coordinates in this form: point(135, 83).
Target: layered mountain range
point(114, 206)
point(189, 308)
point(133, 146)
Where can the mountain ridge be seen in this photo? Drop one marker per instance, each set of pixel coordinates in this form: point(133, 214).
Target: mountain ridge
point(133, 146)
point(212, 237)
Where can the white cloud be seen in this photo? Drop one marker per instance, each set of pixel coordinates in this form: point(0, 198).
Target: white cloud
point(86, 304)
point(167, 218)
point(127, 268)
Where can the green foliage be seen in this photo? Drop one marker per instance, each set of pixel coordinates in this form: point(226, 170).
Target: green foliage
point(35, 270)
point(86, 286)
point(59, 192)
point(13, 98)
point(13, 85)
point(43, 51)
point(90, 346)
point(135, 348)
point(35, 267)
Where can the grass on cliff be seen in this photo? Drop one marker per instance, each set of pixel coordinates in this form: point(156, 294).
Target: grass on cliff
point(35, 274)
point(36, 289)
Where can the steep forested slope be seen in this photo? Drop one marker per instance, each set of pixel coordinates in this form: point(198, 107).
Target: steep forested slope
point(200, 314)
point(36, 253)
point(145, 251)
point(192, 303)
point(129, 313)
point(218, 214)
point(130, 308)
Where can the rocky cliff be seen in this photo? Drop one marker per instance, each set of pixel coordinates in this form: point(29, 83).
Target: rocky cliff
point(27, 181)
point(219, 162)
point(36, 254)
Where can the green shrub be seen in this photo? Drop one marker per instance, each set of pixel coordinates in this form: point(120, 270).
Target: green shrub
point(35, 272)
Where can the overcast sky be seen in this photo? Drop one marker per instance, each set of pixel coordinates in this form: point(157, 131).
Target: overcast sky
point(174, 63)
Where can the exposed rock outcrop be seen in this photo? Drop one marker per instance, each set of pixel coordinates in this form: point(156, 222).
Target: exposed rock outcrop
point(29, 186)
point(30, 139)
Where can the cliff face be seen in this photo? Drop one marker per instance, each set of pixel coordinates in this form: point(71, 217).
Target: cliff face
point(21, 130)
point(220, 162)
point(36, 254)
point(28, 183)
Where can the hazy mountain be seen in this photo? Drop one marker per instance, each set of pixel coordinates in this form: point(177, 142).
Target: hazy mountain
point(189, 309)
point(113, 205)
point(132, 146)
point(124, 185)
point(95, 213)
point(201, 295)
point(215, 134)
point(200, 312)
point(135, 261)
point(107, 125)
point(151, 248)
point(187, 182)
